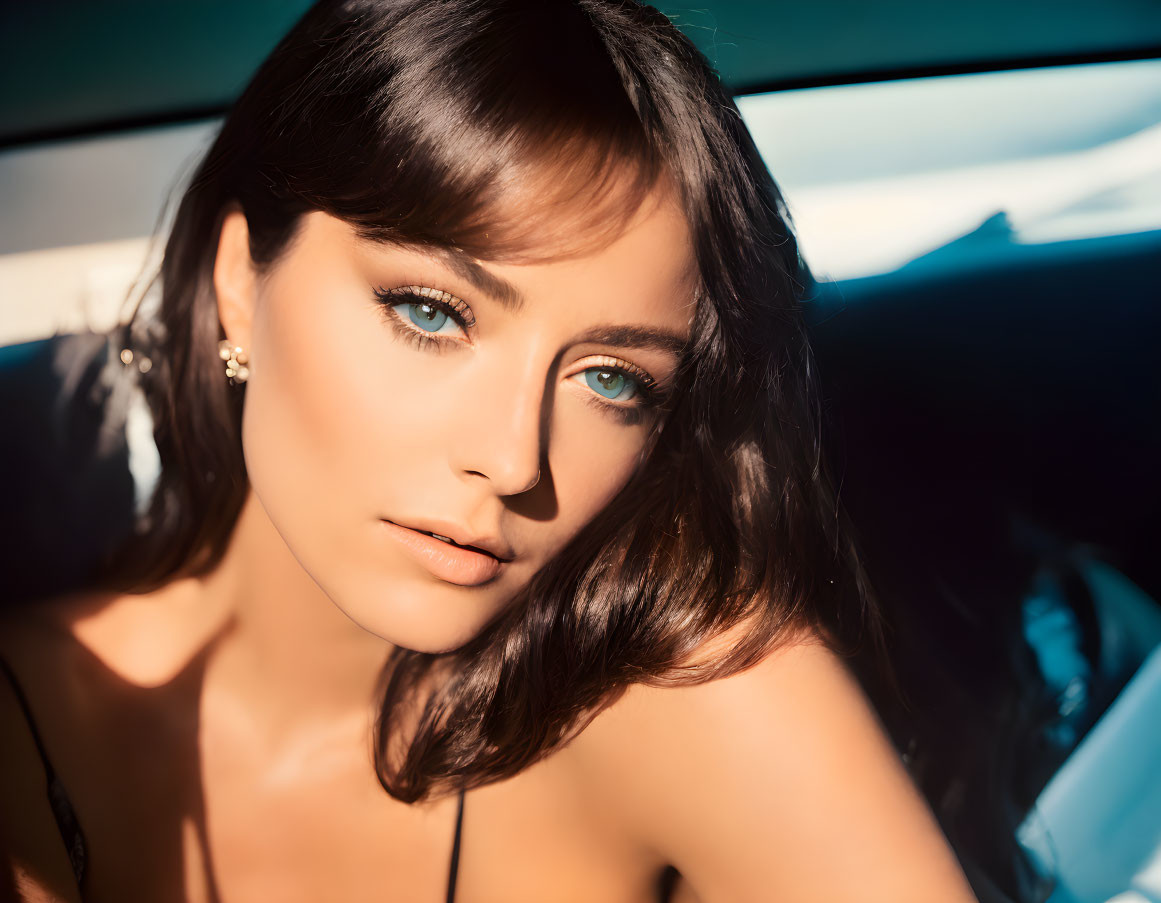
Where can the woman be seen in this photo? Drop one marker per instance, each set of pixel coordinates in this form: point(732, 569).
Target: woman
point(492, 550)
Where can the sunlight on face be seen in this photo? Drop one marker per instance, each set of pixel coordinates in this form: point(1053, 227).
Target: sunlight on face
point(393, 387)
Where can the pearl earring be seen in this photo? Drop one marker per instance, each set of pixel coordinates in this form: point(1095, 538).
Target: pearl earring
point(236, 360)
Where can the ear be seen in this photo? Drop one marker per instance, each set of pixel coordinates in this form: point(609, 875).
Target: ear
point(235, 278)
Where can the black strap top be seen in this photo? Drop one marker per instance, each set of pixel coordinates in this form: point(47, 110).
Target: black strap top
point(70, 829)
point(62, 808)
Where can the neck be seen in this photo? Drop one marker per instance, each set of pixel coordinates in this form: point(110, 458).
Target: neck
point(288, 650)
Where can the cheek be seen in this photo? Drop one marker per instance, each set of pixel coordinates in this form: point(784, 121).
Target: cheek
point(592, 458)
point(336, 408)
point(308, 406)
point(335, 420)
point(344, 424)
point(304, 421)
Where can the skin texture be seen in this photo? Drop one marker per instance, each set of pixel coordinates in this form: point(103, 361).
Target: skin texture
point(214, 735)
point(345, 423)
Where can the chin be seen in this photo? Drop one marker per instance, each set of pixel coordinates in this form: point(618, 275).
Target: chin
point(425, 620)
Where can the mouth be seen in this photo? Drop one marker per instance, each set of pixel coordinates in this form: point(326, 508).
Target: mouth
point(452, 542)
point(444, 558)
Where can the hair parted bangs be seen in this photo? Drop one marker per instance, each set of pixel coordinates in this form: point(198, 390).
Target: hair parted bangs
point(508, 123)
point(524, 130)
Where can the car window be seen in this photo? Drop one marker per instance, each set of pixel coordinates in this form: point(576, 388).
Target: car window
point(878, 174)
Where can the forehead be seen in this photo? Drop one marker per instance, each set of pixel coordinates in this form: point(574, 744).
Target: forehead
point(642, 267)
point(637, 269)
point(649, 266)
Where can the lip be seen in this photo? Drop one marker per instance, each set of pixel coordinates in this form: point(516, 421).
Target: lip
point(490, 543)
point(454, 564)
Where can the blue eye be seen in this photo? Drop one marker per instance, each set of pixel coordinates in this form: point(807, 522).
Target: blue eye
point(429, 315)
point(611, 383)
point(419, 316)
point(425, 314)
point(430, 310)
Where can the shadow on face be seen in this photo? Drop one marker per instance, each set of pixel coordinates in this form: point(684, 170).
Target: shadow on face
point(397, 391)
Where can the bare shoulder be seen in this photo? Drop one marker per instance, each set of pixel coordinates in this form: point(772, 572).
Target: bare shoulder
point(36, 681)
point(40, 640)
point(777, 782)
point(144, 638)
point(34, 867)
point(64, 653)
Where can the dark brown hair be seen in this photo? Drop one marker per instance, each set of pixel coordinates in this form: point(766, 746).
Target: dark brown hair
point(501, 127)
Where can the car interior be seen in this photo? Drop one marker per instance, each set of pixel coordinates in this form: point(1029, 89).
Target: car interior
point(976, 189)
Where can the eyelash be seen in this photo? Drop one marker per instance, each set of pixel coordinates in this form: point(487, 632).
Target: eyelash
point(650, 395)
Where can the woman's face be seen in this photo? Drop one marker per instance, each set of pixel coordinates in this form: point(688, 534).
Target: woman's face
point(394, 390)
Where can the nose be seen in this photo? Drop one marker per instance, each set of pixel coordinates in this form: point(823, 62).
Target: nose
point(501, 438)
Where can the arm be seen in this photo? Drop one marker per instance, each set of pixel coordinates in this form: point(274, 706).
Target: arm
point(779, 783)
point(34, 867)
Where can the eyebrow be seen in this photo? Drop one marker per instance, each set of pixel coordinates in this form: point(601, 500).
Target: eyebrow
point(462, 264)
point(635, 337)
point(511, 299)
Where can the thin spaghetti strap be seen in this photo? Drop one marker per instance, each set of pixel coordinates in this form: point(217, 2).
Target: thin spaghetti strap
point(453, 871)
point(24, 707)
point(62, 807)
